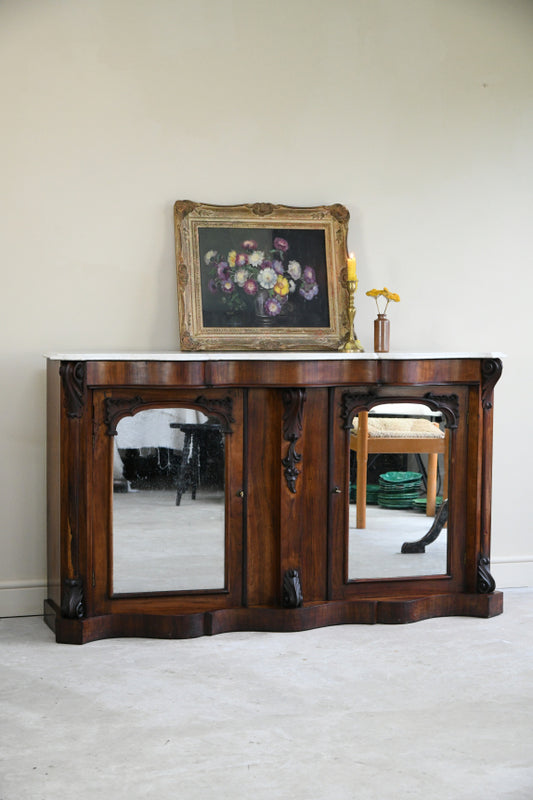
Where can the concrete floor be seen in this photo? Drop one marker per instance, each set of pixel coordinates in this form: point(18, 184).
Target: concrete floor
point(438, 710)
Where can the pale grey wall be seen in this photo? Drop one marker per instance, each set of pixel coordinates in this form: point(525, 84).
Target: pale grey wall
point(416, 114)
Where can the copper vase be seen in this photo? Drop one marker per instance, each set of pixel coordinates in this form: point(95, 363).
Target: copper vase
point(381, 334)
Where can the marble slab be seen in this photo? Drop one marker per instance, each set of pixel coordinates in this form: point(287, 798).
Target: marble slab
point(263, 356)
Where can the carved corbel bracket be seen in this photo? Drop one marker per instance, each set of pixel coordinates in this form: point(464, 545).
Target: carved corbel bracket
point(491, 370)
point(485, 582)
point(293, 402)
point(292, 590)
point(74, 379)
point(118, 407)
point(221, 407)
point(72, 602)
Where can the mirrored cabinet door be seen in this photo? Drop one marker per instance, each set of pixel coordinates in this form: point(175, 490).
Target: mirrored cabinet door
point(398, 478)
point(168, 502)
point(172, 472)
point(398, 464)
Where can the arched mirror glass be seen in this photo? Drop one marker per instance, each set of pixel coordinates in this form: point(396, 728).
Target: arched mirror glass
point(399, 467)
point(168, 502)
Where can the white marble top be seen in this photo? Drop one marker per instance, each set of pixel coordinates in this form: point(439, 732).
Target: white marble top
point(261, 356)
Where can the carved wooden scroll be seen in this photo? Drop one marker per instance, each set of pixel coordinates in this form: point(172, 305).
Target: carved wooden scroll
point(485, 582)
point(353, 402)
point(118, 407)
point(74, 378)
point(293, 401)
point(491, 370)
point(292, 589)
point(221, 407)
point(72, 601)
point(356, 401)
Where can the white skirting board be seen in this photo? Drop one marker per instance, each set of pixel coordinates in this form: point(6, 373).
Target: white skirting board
point(512, 573)
point(25, 598)
point(22, 598)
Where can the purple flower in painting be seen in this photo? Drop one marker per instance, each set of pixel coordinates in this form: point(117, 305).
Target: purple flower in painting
point(281, 244)
point(278, 266)
point(272, 307)
point(309, 290)
point(241, 260)
point(309, 275)
point(249, 244)
point(212, 286)
point(228, 286)
point(223, 270)
point(250, 287)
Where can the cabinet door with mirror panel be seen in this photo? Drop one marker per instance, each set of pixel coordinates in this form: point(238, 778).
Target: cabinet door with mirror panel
point(174, 526)
point(391, 516)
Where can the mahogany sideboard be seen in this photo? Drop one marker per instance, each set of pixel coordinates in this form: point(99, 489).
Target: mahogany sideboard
point(285, 421)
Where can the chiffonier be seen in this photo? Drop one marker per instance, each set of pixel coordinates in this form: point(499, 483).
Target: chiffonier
point(200, 493)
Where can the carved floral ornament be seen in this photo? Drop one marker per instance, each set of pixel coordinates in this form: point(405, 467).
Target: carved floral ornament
point(118, 407)
point(352, 402)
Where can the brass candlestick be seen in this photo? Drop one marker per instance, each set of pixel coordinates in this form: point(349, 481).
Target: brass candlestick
point(352, 344)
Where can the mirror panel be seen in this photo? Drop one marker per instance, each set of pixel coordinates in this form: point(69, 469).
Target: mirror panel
point(389, 446)
point(168, 502)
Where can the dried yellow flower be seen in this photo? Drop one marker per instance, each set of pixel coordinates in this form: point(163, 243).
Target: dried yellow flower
point(375, 293)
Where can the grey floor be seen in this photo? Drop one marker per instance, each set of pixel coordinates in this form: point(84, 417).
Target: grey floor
point(439, 710)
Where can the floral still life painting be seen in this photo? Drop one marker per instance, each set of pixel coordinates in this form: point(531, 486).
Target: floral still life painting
point(266, 280)
point(261, 276)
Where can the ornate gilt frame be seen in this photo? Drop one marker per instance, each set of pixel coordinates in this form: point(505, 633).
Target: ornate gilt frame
point(190, 218)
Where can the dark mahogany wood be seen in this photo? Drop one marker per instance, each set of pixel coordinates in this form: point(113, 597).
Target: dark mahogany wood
point(286, 424)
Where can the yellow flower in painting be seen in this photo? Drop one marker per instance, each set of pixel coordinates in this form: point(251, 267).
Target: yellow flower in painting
point(282, 286)
point(375, 293)
point(232, 255)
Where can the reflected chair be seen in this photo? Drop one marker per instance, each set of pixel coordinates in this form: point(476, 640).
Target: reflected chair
point(371, 435)
point(202, 445)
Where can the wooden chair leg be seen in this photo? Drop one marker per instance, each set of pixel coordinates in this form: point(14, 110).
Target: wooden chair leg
point(362, 461)
point(432, 484)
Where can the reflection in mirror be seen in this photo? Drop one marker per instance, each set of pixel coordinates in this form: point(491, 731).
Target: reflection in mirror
point(399, 458)
point(168, 502)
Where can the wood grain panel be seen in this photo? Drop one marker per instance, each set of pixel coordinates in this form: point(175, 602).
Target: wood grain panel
point(263, 497)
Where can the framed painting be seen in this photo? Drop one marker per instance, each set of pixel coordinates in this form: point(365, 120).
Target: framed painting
point(261, 276)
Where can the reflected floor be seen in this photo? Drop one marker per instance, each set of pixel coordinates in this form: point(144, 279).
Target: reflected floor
point(184, 549)
point(375, 551)
point(158, 546)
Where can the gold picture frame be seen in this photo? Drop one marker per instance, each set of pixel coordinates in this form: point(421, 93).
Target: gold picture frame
point(261, 276)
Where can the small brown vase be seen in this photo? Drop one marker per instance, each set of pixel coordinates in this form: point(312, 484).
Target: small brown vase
point(381, 334)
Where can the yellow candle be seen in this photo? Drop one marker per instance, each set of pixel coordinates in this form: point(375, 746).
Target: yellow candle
point(351, 268)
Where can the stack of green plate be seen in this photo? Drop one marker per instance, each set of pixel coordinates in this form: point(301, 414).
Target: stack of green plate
point(399, 489)
point(372, 490)
point(372, 493)
point(420, 503)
